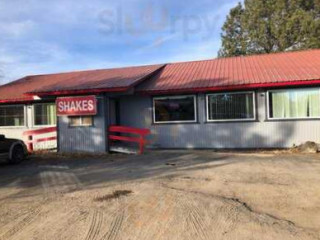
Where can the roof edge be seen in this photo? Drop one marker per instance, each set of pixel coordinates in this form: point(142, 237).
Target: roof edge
point(89, 70)
point(145, 78)
point(97, 90)
point(79, 91)
point(246, 56)
point(17, 100)
point(232, 87)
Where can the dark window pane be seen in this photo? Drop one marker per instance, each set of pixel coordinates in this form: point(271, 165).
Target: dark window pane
point(11, 116)
point(174, 109)
point(45, 114)
point(231, 106)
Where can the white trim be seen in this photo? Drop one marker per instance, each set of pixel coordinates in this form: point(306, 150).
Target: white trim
point(24, 117)
point(176, 97)
point(231, 120)
point(33, 119)
point(289, 90)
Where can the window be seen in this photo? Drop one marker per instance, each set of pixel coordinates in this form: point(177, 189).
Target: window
point(174, 109)
point(296, 103)
point(81, 121)
point(230, 106)
point(12, 116)
point(45, 114)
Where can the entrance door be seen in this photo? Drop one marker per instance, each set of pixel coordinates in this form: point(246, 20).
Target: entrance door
point(114, 111)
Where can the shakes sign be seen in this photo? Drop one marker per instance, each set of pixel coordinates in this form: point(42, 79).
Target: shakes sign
point(76, 106)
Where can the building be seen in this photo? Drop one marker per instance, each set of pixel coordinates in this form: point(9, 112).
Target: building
point(264, 101)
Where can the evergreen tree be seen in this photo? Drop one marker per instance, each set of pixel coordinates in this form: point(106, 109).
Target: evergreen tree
point(265, 26)
point(233, 41)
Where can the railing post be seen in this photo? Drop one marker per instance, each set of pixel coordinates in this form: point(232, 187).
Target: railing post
point(108, 139)
point(140, 139)
point(30, 143)
point(141, 143)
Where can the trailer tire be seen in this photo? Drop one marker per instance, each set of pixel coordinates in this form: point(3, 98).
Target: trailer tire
point(17, 154)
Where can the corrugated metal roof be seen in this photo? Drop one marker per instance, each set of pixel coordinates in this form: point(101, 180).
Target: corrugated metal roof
point(278, 69)
point(247, 71)
point(118, 79)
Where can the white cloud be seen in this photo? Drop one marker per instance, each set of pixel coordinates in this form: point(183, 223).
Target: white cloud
point(16, 29)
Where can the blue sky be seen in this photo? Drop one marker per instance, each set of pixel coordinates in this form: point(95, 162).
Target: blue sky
point(38, 37)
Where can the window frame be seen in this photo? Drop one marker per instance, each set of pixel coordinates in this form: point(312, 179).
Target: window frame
point(24, 116)
point(34, 116)
point(81, 119)
point(291, 118)
point(232, 120)
point(176, 97)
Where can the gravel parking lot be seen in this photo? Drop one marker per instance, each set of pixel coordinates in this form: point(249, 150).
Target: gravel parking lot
point(162, 195)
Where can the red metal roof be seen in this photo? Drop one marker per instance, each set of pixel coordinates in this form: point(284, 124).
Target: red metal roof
point(112, 80)
point(269, 70)
point(277, 69)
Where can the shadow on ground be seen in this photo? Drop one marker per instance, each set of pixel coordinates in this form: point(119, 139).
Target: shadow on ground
point(91, 171)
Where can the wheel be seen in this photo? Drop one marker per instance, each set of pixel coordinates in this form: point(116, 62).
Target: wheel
point(17, 154)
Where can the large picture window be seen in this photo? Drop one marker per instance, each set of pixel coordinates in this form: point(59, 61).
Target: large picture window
point(230, 106)
point(174, 109)
point(295, 103)
point(12, 116)
point(45, 114)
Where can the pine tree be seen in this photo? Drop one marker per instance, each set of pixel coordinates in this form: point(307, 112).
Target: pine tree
point(265, 26)
point(233, 42)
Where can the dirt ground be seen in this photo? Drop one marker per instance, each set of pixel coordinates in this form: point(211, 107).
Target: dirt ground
point(162, 195)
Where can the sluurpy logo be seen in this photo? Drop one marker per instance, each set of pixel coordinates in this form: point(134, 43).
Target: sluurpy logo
point(155, 18)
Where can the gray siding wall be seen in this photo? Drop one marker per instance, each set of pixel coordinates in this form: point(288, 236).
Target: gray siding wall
point(136, 111)
point(84, 139)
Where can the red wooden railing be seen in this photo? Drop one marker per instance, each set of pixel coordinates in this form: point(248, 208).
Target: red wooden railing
point(31, 133)
point(141, 132)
